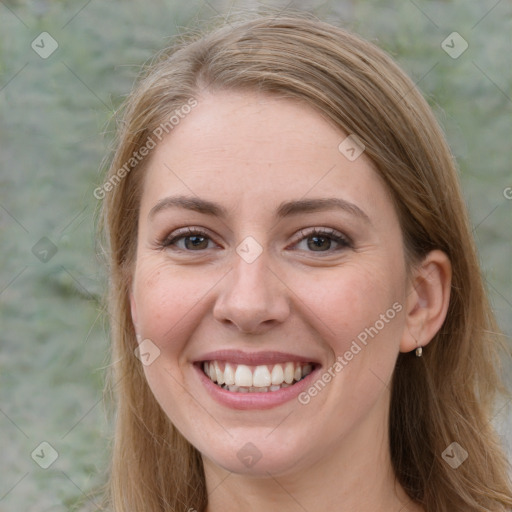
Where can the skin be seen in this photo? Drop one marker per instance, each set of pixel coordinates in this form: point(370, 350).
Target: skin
point(249, 153)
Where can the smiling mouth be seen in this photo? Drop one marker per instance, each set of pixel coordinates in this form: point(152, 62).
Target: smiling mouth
point(241, 378)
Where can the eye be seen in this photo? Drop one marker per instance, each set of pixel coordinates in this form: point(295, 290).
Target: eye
point(317, 240)
point(193, 240)
point(321, 240)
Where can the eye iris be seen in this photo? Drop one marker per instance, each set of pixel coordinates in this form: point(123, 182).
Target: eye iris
point(317, 245)
point(196, 241)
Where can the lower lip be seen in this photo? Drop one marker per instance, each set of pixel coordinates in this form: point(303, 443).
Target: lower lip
point(246, 401)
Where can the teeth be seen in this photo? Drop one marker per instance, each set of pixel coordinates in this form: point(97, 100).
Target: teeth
point(229, 375)
point(219, 374)
point(212, 372)
point(277, 375)
point(261, 377)
point(289, 373)
point(242, 378)
point(306, 370)
point(253, 389)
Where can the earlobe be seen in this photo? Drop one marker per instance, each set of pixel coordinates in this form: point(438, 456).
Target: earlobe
point(427, 301)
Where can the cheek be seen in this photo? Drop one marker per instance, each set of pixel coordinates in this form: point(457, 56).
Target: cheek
point(168, 303)
point(344, 302)
point(166, 299)
point(357, 313)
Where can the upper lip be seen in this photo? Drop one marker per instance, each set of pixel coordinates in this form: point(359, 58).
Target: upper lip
point(254, 358)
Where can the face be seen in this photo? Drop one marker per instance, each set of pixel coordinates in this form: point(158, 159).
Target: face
point(276, 258)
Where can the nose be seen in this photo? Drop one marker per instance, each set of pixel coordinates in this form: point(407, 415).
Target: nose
point(252, 297)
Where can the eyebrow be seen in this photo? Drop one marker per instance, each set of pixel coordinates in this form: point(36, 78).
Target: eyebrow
point(285, 209)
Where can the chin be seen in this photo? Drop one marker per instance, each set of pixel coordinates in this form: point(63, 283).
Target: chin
point(250, 461)
point(257, 454)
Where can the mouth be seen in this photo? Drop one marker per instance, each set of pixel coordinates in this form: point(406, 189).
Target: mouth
point(262, 378)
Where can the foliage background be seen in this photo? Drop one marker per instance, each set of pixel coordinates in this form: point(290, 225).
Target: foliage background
point(55, 129)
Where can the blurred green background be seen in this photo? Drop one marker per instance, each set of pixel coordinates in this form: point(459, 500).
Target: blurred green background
point(55, 129)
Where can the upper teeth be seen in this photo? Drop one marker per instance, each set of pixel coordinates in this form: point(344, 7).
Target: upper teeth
point(257, 376)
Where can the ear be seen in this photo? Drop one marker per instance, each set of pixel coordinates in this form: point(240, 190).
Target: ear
point(427, 300)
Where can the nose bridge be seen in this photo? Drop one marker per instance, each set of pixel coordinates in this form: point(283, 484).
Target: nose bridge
point(252, 296)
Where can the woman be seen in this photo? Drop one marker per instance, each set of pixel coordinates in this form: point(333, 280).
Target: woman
point(298, 316)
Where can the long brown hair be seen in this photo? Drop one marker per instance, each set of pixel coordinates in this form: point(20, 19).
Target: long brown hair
point(444, 397)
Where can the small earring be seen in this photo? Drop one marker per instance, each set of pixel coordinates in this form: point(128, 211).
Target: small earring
point(419, 351)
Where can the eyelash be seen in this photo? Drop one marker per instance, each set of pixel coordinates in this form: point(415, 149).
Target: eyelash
point(330, 233)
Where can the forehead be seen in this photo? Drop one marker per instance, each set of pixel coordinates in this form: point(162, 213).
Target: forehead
point(250, 151)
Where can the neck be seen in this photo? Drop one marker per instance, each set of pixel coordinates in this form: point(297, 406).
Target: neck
point(356, 474)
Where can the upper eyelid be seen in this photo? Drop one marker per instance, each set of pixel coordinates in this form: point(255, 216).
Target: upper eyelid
point(323, 230)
